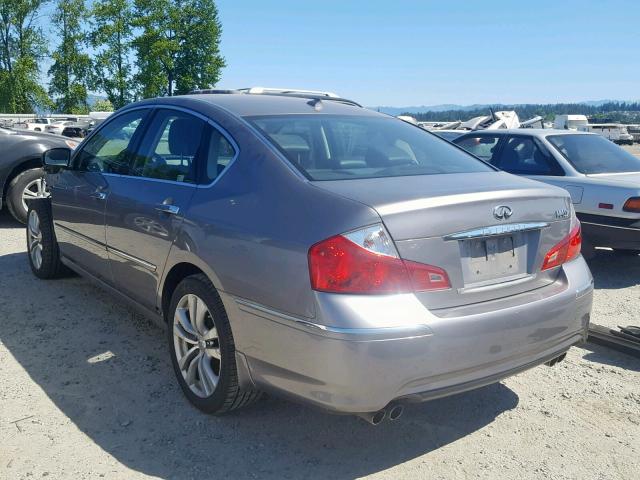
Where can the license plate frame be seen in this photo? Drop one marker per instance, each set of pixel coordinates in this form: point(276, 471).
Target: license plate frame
point(493, 259)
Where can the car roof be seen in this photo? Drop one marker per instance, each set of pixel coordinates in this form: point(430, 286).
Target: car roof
point(246, 105)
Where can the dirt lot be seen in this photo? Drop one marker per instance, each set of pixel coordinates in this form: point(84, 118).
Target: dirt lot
point(87, 391)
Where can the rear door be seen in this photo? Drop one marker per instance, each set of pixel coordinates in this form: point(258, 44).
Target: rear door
point(79, 193)
point(528, 156)
point(146, 205)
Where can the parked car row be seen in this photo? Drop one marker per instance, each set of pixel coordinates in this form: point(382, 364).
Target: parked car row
point(295, 242)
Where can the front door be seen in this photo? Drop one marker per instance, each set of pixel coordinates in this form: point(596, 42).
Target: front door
point(145, 208)
point(79, 193)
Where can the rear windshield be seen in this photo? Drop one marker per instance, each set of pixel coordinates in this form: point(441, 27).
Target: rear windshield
point(591, 154)
point(332, 147)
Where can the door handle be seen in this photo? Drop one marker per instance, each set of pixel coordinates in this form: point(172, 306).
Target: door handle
point(99, 195)
point(170, 209)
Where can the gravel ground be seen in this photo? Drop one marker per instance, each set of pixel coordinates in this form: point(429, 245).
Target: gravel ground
point(87, 391)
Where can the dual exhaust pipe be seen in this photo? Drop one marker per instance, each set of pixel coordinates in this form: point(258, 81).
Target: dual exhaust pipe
point(390, 412)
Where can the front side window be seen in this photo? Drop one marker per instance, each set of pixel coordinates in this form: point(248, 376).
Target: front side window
point(524, 156)
point(170, 148)
point(592, 154)
point(340, 147)
point(482, 146)
point(111, 147)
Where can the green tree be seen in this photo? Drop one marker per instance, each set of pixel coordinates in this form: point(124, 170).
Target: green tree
point(102, 105)
point(178, 47)
point(22, 45)
point(112, 36)
point(71, 69)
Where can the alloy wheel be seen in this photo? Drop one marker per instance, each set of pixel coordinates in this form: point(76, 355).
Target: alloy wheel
point(34, 189)
point(197, 346)
point(34, 239)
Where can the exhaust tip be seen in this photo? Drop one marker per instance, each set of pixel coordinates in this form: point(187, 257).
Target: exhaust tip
point(374, 418)
point(396, 412)
point(378, 417)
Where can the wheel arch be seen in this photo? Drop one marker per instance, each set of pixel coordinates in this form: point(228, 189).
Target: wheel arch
point(20, 166)
point(174, 274)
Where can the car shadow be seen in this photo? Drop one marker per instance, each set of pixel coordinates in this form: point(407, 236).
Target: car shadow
point(608, 356)
point(7, 221)
point(107, 369)
point(612, 270)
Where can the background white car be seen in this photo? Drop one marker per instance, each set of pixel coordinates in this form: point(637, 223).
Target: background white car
point(602, 178)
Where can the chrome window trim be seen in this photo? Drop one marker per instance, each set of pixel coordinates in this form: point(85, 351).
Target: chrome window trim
point(107, 120)
point(155, 106)
point(262, 139)
point(497, 230)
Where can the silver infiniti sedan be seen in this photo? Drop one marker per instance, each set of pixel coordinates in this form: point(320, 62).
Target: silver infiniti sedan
point(296, 243)
point(602, 178)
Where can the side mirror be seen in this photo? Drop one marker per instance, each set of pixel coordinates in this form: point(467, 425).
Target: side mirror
point(56, 158)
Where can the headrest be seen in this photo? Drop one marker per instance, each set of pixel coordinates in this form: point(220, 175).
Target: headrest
point(184, 136)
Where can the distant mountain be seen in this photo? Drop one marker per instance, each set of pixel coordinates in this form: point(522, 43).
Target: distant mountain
point(478, 106)
point(92, 99)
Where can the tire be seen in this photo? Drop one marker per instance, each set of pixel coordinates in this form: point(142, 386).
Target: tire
point(204, 357)
point(29, 181)
point(42, 246)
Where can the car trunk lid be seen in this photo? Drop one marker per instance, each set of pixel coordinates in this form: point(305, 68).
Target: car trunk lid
point(489, 231)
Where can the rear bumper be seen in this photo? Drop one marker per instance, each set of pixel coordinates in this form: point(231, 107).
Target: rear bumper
point(362, 369)
point(612, 236)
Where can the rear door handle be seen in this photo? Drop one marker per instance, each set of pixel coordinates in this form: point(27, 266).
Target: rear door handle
point(170, 209)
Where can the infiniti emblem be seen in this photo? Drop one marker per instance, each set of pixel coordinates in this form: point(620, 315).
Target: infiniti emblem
point(502, 212)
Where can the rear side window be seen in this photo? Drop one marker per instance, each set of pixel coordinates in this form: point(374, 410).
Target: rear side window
point(340, 147)
point(219, 154)
point(110, 149)
point(170, 148)
point(482, 146)
point(592, 154)
point(525, 156)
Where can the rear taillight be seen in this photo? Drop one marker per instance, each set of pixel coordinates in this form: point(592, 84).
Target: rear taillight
point(632, 205)
point(366, 262)
point(566, 250)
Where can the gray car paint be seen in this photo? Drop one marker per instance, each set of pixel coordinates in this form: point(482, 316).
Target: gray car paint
point(251, 229)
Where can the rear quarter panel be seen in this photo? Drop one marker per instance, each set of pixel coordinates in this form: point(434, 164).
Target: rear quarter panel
point(252, 229)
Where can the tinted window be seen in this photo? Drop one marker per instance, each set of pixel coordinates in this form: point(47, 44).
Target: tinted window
point(219, 154)
point(525, 156)
point(594, 154)
point(110, 148)
point(329, 147)
point(482, 146)
point(170, 147)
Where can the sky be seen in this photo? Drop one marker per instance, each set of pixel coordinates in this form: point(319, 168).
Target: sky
point(405, 53)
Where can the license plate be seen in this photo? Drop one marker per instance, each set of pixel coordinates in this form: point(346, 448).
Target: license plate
point(493, 258)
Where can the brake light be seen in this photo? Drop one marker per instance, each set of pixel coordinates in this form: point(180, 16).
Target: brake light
point(632, 205)
point(366, 262)
point(566, 250)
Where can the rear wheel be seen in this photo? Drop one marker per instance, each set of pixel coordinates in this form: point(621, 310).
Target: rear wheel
point(202, 348)
point(26, 186)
